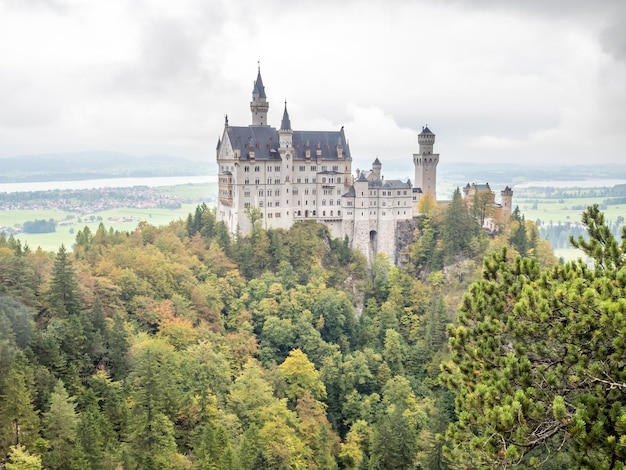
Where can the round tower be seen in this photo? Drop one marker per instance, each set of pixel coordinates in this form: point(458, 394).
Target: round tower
point(259, 105)
point(426, 163)
point(506, 201)
point(376, 169)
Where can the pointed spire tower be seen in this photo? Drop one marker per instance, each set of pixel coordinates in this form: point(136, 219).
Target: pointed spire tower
point(285, 133)
point(259, 105)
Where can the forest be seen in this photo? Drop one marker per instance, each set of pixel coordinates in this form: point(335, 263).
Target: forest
point(181, 347)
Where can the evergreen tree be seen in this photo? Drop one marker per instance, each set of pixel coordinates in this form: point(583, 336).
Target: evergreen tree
point(64, 296)
point(537, 360)
point(19, 423)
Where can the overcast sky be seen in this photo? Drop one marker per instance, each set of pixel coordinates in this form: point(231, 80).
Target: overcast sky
point(532, 81)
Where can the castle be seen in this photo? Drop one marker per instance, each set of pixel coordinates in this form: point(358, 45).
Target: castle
point(292, 175)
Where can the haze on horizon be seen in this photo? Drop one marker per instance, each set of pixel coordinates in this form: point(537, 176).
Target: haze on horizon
point(527, 82)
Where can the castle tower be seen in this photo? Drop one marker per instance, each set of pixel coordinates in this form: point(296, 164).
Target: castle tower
point(506, 201)
point(259, 105)
point(426, 163)
point(376, 169)
point(285, 133)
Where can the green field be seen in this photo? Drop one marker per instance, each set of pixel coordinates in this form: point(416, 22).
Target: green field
point(63, 235)
point(68, 222)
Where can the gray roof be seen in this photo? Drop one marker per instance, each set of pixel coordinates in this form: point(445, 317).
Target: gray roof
point(376, 162)
point(286, 122)
point(264, 140)
point(259, 89)
point(389, 184)
point(425, 131)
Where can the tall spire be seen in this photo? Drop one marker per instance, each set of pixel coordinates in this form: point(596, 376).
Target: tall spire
point(286, 122)
point(259, 105)
point(259, 89)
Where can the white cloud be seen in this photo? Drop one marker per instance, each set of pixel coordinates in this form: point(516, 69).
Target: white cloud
point(542, 81)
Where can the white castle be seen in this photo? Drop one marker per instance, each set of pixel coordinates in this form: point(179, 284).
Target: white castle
point(294, 175)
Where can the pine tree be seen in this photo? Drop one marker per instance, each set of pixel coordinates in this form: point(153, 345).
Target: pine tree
point(537, 360)
point(64, 296)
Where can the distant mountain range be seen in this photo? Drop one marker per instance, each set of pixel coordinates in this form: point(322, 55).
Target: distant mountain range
point(93, 165)
point(512, 174)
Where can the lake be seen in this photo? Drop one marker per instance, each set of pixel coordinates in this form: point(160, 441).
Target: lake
point(106, 183)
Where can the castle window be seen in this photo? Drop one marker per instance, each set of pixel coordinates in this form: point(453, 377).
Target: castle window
point(269, 168)
point(269, 216)
point(246, 204)
point(331, 202)
point(246, 194)
point(257, 168)
point(260, 192)
point(404, 193)
point(294, 192)
point(306, 180)
point(298, 202)
point(276, 168)
point(286, 179)
point(323, 180)
point(277, 181)
point(256, 181)
point(302, 168)
point(339, 180)
point(299, 212)
point(277, 204)
point(277, 192)
point(338, 212)
point(323, 202)
point(260, 203)
point(306, 191)
point(335, 168)
point(269, 203)
point(338, 202)
point(324, 167)
point(323, 213)
point(299, 180)
point(269, 192)
point(314, 213)
point(269, 181)
point(246, 181)
point(277, 215)
point(313, 168)
point(246, 169)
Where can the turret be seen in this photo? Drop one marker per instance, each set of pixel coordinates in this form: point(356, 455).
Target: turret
point(506, 201)
point(285, 133)
point(426, 163)
point(259, 105)
point(426, 141)
point(376, 168)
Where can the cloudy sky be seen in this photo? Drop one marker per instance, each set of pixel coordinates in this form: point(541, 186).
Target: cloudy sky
point(510, 81)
